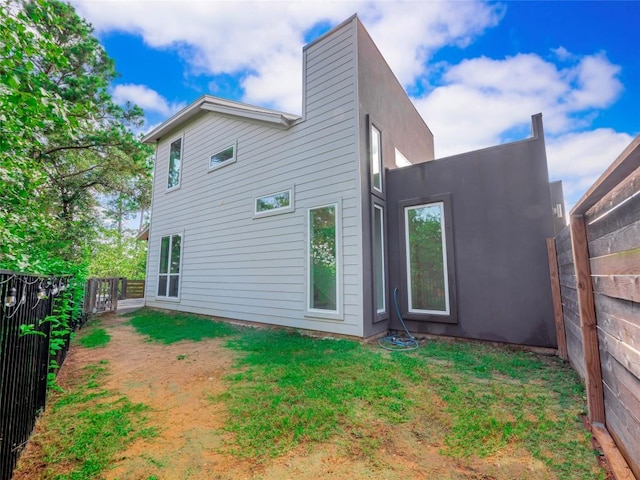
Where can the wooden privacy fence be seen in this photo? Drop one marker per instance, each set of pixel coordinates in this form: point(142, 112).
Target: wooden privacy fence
point(598, 273)
point(131, 288)
point(27, 300)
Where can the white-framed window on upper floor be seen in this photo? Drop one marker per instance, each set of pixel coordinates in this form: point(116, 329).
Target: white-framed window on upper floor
point(223, 157)
point(375, 149)
point(323, 257)
point(175, 162)
point(170, 266)
point(274, 203)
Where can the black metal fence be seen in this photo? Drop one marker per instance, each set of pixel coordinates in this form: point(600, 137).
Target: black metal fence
point(28, 303)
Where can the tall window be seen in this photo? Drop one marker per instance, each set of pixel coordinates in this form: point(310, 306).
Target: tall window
point(175, 154)
point(169, 271)
point(323, 256)
point(376, 159)
point(427, 279)
point(378, 258)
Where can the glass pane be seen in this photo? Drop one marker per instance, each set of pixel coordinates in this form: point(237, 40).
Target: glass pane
point(426, 261)
point(175, 254)
point(376, 164)
point(174, 163)
point(378, 258)
point(162, 286)
point(164, 255)
point(272, 202)
point(221, 157)
point(323, 265)
point(173, 285)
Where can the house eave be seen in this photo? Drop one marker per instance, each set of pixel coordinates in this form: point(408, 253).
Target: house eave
point(208, 103)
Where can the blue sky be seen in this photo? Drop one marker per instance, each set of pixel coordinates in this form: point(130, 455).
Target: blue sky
point(476, 71)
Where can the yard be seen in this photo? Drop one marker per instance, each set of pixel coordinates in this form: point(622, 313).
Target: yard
point(158, 396)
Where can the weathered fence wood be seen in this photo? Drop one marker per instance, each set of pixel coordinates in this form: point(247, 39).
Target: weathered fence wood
point(605, 240)
point(557, 299)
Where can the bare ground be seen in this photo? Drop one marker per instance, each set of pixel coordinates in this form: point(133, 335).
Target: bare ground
point(180, 383)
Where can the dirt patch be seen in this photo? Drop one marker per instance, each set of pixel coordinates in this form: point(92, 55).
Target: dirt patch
point(182, 382)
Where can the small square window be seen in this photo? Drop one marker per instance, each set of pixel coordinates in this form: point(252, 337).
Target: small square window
point(274, 203)
point(223, 157)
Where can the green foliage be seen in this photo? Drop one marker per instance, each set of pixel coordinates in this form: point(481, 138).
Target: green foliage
point(169, 328)
point(87, 427)
point(118, 255)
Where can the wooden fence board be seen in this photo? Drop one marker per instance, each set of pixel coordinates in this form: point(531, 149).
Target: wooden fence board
point(621, 263)
point(617, 462)
point(625, 238)
point(563, 240)
point(568, 281)
point(625, 214)
point(557, 299)
point(624, 190)
point(624, 328)
point(626, 433)
point(630, 311)
point(622, 383)
point(626, 287)
point(575, 352)
point(567, 269)
point(565, 258)
point(628, 357)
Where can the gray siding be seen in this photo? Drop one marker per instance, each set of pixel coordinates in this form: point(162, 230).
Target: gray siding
point(383, 101)
point(254, 269)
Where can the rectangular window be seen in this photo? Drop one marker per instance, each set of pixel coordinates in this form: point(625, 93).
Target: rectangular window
point(376, 159)
point(223, 157)
point(323, 255)
point(378, 259)
point(175, 154)
point(427, 278)
point(280, 202)
point(169, 269)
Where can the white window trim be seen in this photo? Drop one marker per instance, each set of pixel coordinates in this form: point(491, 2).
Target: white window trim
point(379, 163)
point(177, 186)
point(314, 312)
point(233, 159)
point(161, 298)
point(275, 211)
point(447, 310)
point(382, 246)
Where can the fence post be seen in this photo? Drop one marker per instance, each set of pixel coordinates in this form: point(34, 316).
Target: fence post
point(584, 286)
point(557, 298)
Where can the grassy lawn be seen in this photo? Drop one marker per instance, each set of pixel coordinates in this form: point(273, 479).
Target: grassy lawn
point(288, 391)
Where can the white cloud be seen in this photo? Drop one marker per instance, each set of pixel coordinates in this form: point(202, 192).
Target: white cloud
point(484, 99)
point(146, 98)
point(262, 41)
point(578, 159)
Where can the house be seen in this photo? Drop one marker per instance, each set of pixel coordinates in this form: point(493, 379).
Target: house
point(311, 221)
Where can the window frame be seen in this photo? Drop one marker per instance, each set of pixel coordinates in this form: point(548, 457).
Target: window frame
point(275, 211)
point(168, 274)
point(380, 162)
point(179, 184)
point(233, 159)
point(381, 314)
point(425, 315)
point(336, 314)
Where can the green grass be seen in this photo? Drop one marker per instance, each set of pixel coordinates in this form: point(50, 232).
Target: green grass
point(169, 328)
point(86, 427)
point(95, 337)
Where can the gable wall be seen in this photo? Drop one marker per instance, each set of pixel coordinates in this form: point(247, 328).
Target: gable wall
point(240, 267)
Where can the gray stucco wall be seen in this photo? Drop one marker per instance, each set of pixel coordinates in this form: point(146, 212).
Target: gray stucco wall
point(501, 216)
point(383, 101)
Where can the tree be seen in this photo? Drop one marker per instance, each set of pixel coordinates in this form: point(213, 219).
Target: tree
point(65, 143)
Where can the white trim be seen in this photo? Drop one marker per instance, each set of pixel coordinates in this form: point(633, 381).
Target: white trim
point(177, 186)
point(275, 211)
point(377, 164)
point(234, 157)
point(167, 298)
point(336, 314)
point(380, 208)
point(443, 239)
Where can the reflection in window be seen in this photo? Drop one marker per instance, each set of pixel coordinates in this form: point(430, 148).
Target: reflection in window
point(323, 274)
point(175, 153)
point(378, 258)
point(222, 158)
point(376, 159)
point(275, 201)
point(427, 278)
point(169, 271)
